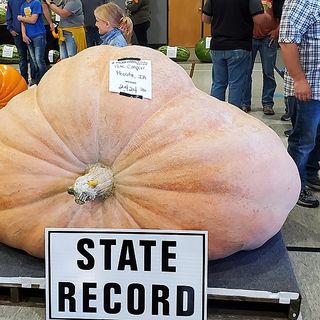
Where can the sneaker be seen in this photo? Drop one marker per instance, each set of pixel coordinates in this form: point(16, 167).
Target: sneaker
point(246, 109)
point(307, 199)
point(268, 111)
point(285, 117)
point(288, 132)
point(314, 183)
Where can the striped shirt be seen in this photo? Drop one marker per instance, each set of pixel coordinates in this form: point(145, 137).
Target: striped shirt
point(300, 24)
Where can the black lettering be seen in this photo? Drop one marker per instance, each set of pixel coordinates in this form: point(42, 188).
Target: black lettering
point(127, 249)
point(131, 299)
point(166, 255)
point(64, 295)
point(147, 244)
point(107, 243)
point(90, 259)
point(181, 290)
point(158, 298)
point(87, 297)
point(116, 308)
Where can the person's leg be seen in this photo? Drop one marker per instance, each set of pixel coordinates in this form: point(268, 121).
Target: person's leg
point(33, 62)
point(247, 92)
point(268, 55)
point(313, 167)
point(302, 142)
point(39, 44)
point(220, 72)
point(23, 56)
point(140, 30)
point(68, 47)
point(238, 62)
point(92, 36)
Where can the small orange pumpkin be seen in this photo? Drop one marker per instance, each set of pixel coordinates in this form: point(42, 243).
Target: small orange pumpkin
point(11, 84)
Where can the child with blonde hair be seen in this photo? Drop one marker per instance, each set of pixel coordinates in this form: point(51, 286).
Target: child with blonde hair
point(114, 27)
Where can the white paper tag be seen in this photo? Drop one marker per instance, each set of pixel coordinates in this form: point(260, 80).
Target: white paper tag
point(57, 18)
point(50, 56)
point(172, 52)
point(208, 40)
point(131, 77)
point(7, 52)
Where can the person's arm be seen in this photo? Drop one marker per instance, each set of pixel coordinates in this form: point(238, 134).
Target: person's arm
point(59, 11)
point(259, 17)
point(25, 38)
point(206, 19)
point(47, 14)
point(291, 59)
point(30, 19)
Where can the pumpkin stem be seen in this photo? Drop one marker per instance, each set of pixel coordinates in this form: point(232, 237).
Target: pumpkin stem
point(97, 182)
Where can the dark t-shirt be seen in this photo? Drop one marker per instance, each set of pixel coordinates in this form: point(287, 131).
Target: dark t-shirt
point(232, 23)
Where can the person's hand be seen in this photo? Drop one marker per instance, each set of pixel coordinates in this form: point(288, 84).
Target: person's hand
point(52, 26)
point(48, 2)
point(273, 35)
point(302, 90)
point(19, 17)
point(13, 33)
point(26, 39)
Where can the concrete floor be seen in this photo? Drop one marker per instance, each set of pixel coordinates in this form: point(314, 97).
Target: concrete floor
point(302, 228)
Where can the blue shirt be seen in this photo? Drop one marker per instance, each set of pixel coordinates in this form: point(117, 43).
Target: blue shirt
point(28, 9)
point(13, 10)
point(300, 24)
point(114, 38)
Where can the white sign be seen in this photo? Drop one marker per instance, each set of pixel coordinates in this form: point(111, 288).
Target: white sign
point(7, 51)
point(208, 41)
point(126, 274)
point(172, 52)
point(131, 77)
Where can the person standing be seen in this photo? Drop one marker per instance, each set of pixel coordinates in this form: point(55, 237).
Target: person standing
point(92, 34)
point(231, 43)
point(34, 34)
point(14, 27)
point(265, 41)
point(139, 12)
point(299, 40)
point(72, 37)
point(114, 27)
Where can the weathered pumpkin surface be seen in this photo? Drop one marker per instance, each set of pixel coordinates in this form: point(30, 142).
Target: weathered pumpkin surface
point(182, 160)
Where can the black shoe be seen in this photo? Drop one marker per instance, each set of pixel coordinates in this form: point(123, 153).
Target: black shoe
point(314, 183)
point(307, 199)
point(287, 132)
point(285, 117)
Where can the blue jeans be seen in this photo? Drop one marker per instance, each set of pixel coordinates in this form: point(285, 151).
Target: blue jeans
point(304, 141)
point(23, 59)
point(268, 56)
point(92, 36)
point(37, 48)
point(68, 47)
point(228, 69)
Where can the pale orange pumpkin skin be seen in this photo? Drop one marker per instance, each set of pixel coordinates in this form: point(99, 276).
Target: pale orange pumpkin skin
point(11, 84)
point(182, 160)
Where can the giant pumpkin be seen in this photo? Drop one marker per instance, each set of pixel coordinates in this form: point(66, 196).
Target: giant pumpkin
point(11, 84)
point(181, 160)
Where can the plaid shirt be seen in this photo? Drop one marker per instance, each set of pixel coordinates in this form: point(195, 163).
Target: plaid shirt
point(300, 24)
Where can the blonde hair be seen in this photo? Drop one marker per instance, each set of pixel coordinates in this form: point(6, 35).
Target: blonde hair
point(112, 13)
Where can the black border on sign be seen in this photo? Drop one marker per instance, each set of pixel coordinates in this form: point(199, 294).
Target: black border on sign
point(127, 232)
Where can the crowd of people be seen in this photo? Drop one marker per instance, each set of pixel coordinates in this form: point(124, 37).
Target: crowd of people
point(262, 25)
point(81, 24)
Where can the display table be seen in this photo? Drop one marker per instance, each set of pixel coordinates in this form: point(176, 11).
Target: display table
point(262, 276)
